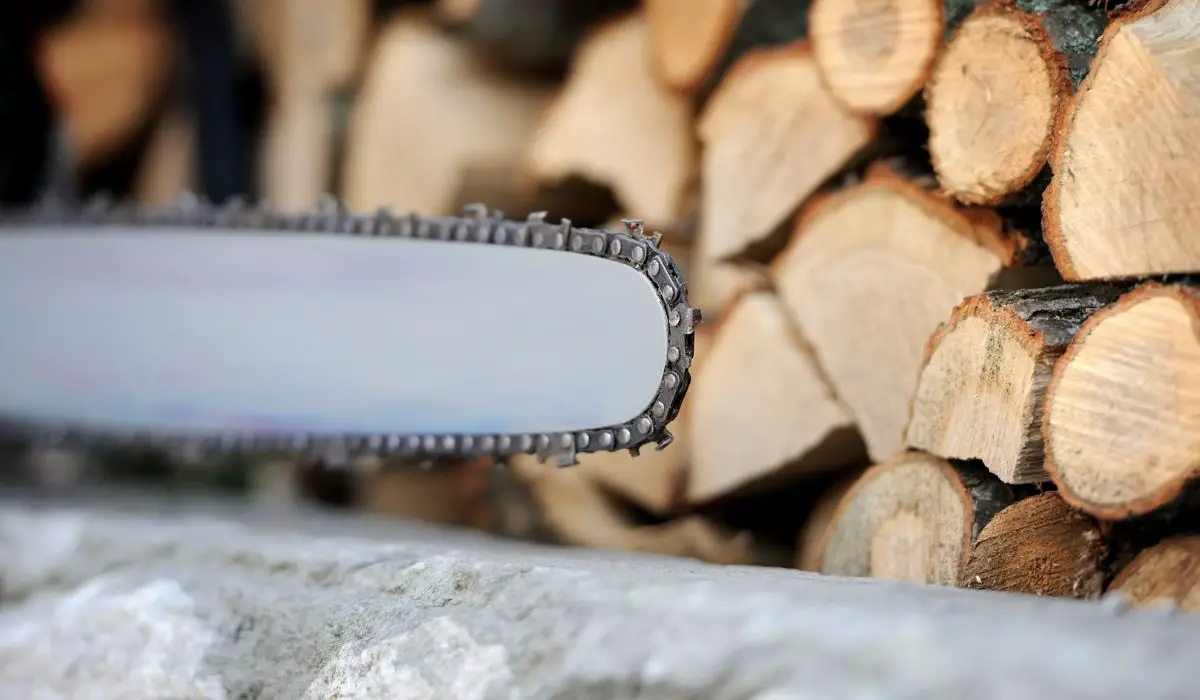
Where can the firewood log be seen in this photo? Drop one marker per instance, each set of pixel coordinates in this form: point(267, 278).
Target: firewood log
point(982, 387)
point(309, 48)
point(435, 127)
point(1168, 572)
point(913, 517)
point(567, 507)
point(613, 124)
point(1122, 415)
point(1121, 199)
point(761, 411)
point(1041, 546)
point(869, 274)
point(876, 55)
point(688, 37)
point(999, 91)
point(771, 136)
point(106, 69)
point(540, 36)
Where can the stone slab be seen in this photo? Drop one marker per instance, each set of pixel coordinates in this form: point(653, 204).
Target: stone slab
point(126, 598)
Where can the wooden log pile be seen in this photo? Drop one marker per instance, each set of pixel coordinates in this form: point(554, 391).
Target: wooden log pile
point(945, 250)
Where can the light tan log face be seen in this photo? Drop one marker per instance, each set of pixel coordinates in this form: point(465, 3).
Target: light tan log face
point(640, 146)
point(1122, 423)
point(1167, 572)
point(909, 519)
point(992, 103)
point(1123, 199)
point(875, 55)
point(771, 134)
point(687, 37)
point(868, 276)
point(759, 405)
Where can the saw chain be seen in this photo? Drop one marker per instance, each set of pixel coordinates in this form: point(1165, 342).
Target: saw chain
point(631, 247)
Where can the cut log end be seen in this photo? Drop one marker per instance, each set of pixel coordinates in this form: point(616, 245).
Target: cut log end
point(759, 406)
point(771, 135)
point(875, 55)
point(1122, 202)
point(992, 103)
point(981, 389)
point(1168, 572)
point(869, 274)
point(1121, 425)
point(687, 38)
point(911, 518)
point(1039, 546)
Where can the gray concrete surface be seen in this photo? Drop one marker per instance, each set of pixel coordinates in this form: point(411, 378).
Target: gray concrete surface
point(136, 599)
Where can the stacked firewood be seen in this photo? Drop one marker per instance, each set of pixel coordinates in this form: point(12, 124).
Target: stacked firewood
point(917, 230)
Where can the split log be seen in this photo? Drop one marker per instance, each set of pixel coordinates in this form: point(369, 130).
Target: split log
point(106, 69)
point(588, 134)
point(1122, 416)
point(168, 165)
point(310, 48)
point(1168, 572)
point(760, 409)
point(434, 127)
point(981, 390)
point(540, 36)
point(876, 55)
point(1040, 546)
point(869, 274)
point(1121, 202)
point(771, 136)
point(695, 42)
point(688, 37)
point(576, 511)
point(999, 91)
point(914, 518)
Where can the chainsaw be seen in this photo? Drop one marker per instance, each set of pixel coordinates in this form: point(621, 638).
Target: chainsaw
point(203, 329)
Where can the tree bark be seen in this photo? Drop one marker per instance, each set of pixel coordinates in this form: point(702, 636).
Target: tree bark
point(1039, 546)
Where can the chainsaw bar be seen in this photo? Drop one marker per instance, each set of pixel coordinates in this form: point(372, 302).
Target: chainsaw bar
point(631, 247)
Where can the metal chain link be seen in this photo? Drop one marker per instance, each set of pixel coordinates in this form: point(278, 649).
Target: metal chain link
point(631, 247)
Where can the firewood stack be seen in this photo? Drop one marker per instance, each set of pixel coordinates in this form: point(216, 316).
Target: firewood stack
point(944, 250)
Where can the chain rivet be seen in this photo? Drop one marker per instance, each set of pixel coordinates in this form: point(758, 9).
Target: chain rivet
point(673, 354)
point(670, 380)
point(623, 435)
point(652, 268)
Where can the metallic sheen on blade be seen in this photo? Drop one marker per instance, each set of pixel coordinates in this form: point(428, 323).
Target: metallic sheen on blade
point(216, 329)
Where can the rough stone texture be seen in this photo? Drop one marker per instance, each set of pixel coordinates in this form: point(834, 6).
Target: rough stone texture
point(209, 601)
